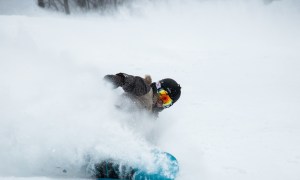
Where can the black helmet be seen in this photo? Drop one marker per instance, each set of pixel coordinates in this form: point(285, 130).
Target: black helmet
point(172, 87)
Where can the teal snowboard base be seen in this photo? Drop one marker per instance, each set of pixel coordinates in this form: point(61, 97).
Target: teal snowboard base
point(166, 169)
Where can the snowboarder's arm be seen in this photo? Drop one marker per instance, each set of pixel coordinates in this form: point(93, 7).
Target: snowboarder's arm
point(130, 84)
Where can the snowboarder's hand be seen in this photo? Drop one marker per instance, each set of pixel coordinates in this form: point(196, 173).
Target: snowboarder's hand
point(117, 80)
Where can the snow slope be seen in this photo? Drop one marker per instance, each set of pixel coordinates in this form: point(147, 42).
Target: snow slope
point(237, 62)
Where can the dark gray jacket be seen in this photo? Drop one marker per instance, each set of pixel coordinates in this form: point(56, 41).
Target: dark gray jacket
point(137, 89)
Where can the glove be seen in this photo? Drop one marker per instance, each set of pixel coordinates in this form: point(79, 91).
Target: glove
point(117, 80)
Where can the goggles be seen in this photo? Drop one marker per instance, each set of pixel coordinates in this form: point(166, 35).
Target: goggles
point(165, 98)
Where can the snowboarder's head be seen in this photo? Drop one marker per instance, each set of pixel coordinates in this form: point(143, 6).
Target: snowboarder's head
point(168, 92)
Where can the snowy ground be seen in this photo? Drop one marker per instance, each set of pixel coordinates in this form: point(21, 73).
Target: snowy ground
point(238, 63)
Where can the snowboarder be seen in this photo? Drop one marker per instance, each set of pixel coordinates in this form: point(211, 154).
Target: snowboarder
point(145, 94)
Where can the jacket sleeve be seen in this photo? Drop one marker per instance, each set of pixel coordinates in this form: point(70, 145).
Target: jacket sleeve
point(134, 85)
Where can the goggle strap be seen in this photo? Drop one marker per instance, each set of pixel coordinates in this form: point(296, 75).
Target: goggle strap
point(158, 85)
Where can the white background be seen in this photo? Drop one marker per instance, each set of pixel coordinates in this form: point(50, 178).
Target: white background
point(238, 63)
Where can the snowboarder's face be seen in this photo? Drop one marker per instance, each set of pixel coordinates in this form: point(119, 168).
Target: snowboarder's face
point(159, 103)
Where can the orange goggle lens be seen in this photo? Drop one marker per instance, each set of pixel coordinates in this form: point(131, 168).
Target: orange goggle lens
point(165, 98)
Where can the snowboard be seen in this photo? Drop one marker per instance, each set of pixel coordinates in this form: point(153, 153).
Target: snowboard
point(166, 168)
